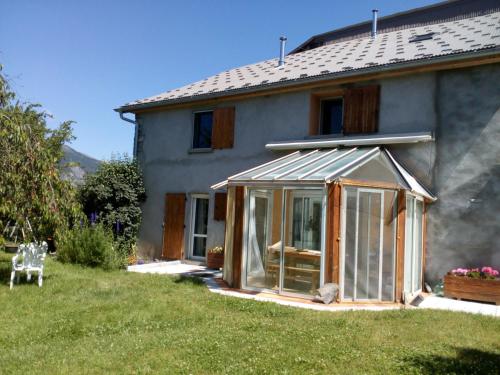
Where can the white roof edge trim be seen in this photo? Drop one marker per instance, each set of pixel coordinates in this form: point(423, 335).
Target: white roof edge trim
point(219, 185)
point(361, 140)
point(415, 186)
point(368, 155)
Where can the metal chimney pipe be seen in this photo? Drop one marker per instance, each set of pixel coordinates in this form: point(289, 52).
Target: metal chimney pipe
point(374, 23)
point(281, 62)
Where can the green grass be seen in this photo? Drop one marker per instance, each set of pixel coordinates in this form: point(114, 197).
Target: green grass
point(91, 321)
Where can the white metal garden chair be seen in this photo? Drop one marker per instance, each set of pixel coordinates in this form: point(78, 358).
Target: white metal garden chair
point(29, 258)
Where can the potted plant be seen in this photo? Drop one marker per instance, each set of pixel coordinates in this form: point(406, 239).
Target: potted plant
point(478, 284)
point(215, 257)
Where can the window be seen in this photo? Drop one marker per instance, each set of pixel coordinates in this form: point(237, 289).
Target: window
point(306, 218)
point(202, 134)
point(421, 37)
point(331, 116)
point(199, 225)
point(345, 111)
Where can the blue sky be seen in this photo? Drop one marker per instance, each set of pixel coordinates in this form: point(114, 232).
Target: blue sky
point(81, 59)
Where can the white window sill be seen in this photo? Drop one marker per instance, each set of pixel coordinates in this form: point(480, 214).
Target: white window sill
point(200, 150)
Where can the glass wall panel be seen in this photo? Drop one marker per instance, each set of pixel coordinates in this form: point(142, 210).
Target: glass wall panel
point(389, 245)
point(302, 251)
point(263, 239)
point(419, 210)
point(369, 244)
point(350, 242)
point(408, 259)
point(413, 245)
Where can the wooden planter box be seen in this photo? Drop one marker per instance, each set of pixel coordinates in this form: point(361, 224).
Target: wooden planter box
point(461, 287)
point(215, 261)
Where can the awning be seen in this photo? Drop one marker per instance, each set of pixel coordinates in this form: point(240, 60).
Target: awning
point(322, 166)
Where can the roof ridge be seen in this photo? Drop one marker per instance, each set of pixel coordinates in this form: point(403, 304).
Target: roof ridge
point(382, 30)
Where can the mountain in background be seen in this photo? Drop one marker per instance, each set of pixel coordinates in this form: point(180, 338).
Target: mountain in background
point(79, 165)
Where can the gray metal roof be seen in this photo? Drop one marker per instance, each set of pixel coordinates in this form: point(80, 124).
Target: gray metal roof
point(322, 166)
point(459, 38)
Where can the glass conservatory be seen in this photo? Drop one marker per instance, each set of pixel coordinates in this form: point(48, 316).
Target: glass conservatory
point(353, 216)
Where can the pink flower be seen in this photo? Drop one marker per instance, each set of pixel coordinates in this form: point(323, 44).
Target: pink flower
point(460, 271)
point(490, 270)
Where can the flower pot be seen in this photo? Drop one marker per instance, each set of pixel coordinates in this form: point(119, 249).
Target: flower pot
point(215, 260)
point(463, 287)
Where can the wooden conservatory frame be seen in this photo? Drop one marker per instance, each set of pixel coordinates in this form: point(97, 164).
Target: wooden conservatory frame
point(333, 185)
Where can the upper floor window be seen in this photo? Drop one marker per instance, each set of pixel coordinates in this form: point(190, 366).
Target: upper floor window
point(202, 133)
point(331, 116)
point(345, 112)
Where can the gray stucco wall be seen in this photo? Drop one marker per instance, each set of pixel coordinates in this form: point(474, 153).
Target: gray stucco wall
point(463, 163)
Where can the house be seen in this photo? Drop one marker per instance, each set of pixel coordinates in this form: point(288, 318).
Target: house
point(368, 156)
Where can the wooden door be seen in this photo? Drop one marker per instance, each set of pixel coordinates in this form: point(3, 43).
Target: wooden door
point(173, 226)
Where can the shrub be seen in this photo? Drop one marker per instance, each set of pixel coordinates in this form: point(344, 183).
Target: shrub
point(112, 196)
point(91, 246)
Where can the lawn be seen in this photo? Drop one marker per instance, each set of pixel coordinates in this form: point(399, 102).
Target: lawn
point(91, 321)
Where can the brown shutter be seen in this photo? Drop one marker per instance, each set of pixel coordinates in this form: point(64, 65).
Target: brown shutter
point(361, 108)
point(173, 226)
point(223, 128)
point(220, 206)
point(238, 236)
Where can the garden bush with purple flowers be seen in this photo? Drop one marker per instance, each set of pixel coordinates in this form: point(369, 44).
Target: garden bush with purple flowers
point(89, 245)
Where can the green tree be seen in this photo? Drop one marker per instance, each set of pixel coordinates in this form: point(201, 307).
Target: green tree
point(112, 196)
point(32, 193)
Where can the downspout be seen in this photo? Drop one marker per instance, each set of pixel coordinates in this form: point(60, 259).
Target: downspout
point(136, 131)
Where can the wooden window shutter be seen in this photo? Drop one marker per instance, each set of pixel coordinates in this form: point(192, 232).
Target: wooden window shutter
point(223, 128)
point(220, 206)
point(173, 226)
point(361, 108)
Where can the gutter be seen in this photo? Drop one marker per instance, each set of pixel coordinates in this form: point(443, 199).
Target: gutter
point(126, 119)
point(363, 140)
point(457, 57)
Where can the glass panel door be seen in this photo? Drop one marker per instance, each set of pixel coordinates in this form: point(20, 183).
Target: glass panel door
point(369, 245)
point(199, 227)
point(262, 263)
point(301, 266)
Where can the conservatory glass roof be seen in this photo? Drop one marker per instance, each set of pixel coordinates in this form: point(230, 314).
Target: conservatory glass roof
point(327, 165)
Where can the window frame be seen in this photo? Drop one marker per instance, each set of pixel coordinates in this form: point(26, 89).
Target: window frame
point(194, 197)
point(321, 109)
point(302, 194)
point(193, 130)
point(419, 273)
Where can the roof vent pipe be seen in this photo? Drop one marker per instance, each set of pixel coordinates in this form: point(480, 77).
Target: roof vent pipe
point(281, 62)
point(374, 23)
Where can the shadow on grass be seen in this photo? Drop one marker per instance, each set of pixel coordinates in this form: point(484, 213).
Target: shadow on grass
point(466, 361)
point(189, 279)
